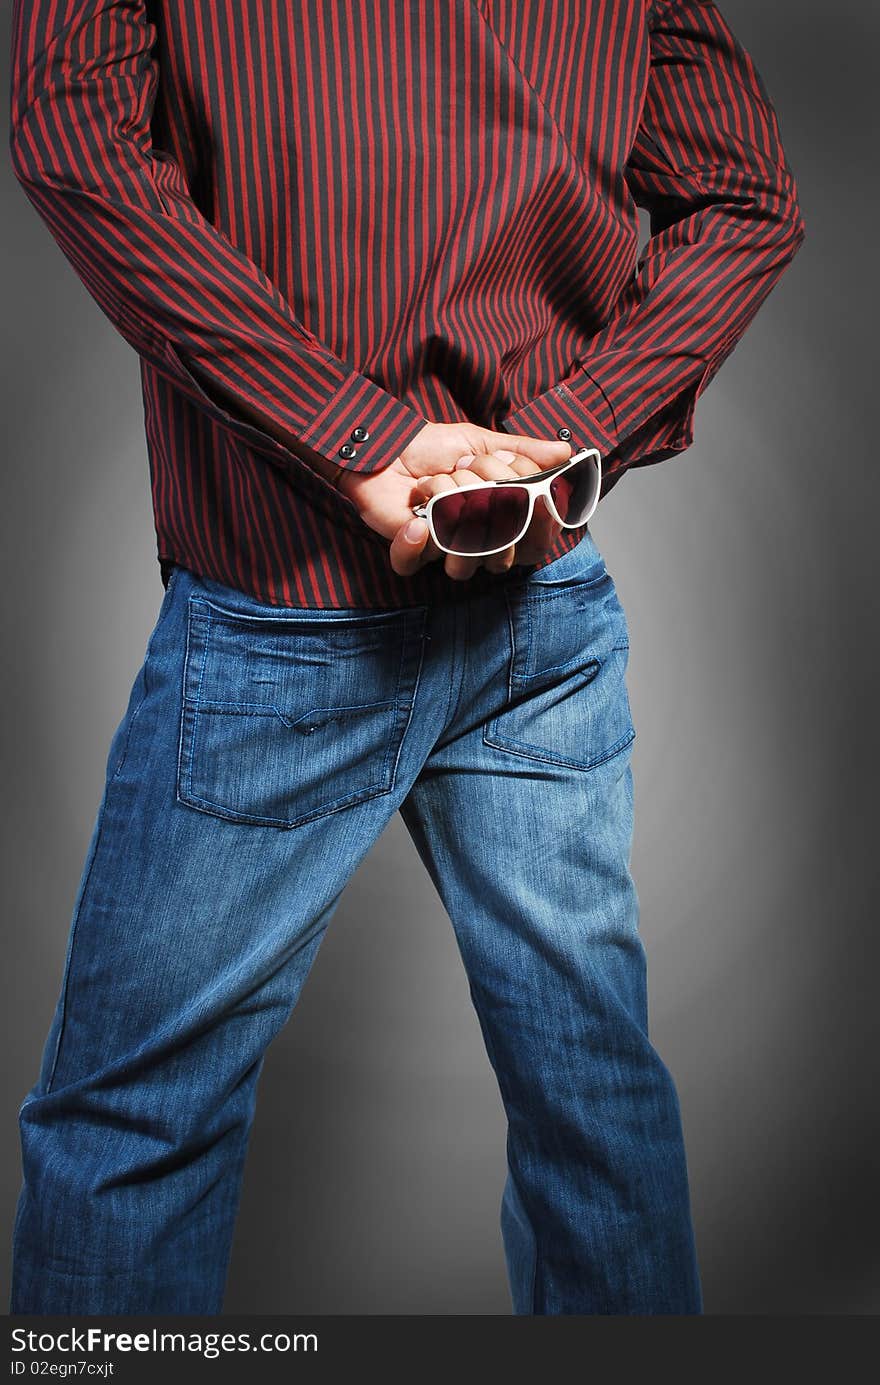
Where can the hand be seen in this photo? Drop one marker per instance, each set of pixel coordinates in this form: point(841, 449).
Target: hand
point(443, 455)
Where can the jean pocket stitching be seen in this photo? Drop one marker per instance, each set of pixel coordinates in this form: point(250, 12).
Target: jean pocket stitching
point(585, 548)
point(143, 677)
point(387, 744)
point(522, 648)
point(198, 701)
point(537, 590)
point(521, 645)
point(497, 739)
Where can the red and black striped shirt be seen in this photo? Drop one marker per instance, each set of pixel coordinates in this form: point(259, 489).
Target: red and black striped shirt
point(339, 218)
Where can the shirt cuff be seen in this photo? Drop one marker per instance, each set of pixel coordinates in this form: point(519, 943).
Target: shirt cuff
point(573, 417)
point(362, 427)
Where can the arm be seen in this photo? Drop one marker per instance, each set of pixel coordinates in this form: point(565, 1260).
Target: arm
point(189, 302)
point(709, 165)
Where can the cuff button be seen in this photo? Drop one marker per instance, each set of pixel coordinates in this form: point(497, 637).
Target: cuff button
point(564, 434)
point(359, 434)
point(346, 450)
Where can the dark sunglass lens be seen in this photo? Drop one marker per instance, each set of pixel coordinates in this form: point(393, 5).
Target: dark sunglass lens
point(574, 491)
point(477, 519)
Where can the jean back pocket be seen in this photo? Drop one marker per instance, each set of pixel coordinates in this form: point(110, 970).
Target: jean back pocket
point(567, 701)
point(293, 713)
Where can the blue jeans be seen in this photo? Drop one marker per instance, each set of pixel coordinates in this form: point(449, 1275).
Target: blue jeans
point(263, 751)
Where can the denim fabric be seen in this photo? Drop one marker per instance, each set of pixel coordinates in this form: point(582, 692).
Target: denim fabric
point(262, 752)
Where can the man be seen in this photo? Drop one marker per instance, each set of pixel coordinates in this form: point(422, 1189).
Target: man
point(369, 254)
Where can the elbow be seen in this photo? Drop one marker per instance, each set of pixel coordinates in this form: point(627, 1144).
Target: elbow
point(792, 224)
point(34, 162)
point(779, 229)
point(25, 168)
point(16, 154)
point(774, 210)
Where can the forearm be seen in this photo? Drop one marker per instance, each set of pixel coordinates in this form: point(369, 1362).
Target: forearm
point(183, 295)
point(709, 164)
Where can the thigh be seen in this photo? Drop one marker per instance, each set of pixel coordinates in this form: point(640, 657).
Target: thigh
point(524, 816)
point(257, 761)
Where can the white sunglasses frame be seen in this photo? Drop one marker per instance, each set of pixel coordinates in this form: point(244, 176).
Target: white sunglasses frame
point(537, 483)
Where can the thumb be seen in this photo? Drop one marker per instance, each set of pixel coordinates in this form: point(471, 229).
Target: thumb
point(410, 547)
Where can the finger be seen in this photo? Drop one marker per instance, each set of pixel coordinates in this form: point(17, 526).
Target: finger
point(426, 486)
point(489, 470)
point(411, 547)
point(488, 467)
point(524, 466)
point(546, 452)
point(502, 465)
point(501, 562)
point(542, 533)
point(473, 534)
point(543, 529)
point(456, 565)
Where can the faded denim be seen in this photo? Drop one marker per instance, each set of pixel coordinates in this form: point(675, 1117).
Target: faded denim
point(262, 752)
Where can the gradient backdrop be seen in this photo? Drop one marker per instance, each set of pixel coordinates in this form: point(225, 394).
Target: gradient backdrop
point(747, 567)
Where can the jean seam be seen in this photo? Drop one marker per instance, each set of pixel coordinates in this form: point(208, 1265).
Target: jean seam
point(417, 682)
point(99, 828)
point(493, 1057)
point(462, 610)
point(144, 673)
point(68, 964)
point(195, 721)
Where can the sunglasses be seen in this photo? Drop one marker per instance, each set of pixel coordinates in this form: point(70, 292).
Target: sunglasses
point(487, 517)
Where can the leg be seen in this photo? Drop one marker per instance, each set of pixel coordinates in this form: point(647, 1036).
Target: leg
point(523, 816)
point(260, 756)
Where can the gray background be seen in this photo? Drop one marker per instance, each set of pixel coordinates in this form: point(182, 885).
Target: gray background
point(746, 568)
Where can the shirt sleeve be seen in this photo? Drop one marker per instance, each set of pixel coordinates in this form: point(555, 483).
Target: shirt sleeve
point(83, 87)
point(708, 164)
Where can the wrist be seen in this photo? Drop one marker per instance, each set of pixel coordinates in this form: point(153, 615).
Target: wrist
point(330, 469)
point(336, 479)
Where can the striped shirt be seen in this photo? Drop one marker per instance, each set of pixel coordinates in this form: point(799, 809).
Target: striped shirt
point(321, 224)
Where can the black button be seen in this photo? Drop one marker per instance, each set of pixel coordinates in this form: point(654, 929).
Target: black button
point(564, 434)
point(359, 434)
point(346, 450)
